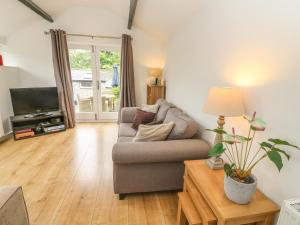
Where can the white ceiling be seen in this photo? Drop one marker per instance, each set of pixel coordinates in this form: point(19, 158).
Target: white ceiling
point(157, 17)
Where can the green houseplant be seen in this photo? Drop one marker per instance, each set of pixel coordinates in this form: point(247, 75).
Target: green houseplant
point(239, 182)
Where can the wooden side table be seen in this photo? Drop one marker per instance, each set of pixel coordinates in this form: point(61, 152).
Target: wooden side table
point(155, 92)
point(203, 201)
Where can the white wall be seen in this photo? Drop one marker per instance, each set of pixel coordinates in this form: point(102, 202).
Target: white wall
point(253, 44)
point(9, 78)
point(30, 49)
point(2, 40)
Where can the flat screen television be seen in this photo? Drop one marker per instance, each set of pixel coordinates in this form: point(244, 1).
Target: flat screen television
point(34, 100)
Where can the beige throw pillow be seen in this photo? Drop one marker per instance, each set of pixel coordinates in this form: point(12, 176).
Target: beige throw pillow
point(150, 108)
point(153, 132)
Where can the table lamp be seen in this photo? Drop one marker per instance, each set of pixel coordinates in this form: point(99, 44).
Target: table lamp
point(223, 102)
point(155, 76)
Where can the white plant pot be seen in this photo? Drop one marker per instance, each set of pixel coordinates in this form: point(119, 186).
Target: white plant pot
point(240, 193)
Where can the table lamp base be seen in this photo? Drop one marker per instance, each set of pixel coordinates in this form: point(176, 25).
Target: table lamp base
point(215, 163)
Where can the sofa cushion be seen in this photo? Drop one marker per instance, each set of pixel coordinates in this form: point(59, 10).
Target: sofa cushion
point(124, 139)
point(184, 128)
point(142, 117)
point(164, 106)
point(127, 114)
point(150, 108)
point(153, 132)
point(126, 130)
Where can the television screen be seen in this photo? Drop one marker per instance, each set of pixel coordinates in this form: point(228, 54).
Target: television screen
point(34, 100)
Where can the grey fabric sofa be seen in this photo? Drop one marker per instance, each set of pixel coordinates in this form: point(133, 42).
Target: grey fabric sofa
point(13, 210)
point(151, 166)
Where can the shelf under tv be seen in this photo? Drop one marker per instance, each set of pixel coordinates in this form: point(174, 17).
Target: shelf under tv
point(49, 123)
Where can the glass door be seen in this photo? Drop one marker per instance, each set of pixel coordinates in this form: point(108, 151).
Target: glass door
point(96, 81)
point(83, 81)
point(108, 68)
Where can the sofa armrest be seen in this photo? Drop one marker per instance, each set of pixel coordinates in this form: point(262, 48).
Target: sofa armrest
point(13, 208)
point(160, 151)
point(127, 114)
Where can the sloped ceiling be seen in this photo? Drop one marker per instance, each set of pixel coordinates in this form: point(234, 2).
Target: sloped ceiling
point(157, 17)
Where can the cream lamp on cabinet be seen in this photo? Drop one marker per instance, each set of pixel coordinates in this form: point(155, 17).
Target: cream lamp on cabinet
point(223, 102)
point(154, 74)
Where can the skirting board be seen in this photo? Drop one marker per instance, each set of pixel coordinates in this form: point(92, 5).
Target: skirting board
point(5, 137)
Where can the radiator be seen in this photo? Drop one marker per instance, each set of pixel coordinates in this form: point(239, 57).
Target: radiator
point(290, 213)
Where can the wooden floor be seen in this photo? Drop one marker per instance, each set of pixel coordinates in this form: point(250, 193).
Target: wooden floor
point(67, 179)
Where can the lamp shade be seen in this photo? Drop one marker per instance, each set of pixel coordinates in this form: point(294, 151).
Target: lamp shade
point(155, 72)
point(224, 102)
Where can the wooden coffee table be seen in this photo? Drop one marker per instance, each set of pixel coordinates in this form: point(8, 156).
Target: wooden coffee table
point(203, 200)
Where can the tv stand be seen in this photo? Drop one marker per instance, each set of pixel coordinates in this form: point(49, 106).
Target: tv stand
point(27, 126)
point(37, 115)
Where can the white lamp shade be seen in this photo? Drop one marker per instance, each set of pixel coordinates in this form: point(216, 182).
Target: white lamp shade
point(224, 102)
point(155, 72)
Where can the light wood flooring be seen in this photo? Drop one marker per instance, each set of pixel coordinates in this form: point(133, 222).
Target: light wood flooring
point(67, 180)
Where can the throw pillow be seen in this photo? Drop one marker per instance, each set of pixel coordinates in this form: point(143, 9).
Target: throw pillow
point(142, 117)
point(184, 128)
point(150, 108)
point(164, 106)
point(153, 132)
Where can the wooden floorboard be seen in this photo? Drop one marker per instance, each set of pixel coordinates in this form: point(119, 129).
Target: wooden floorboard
point(67, 180)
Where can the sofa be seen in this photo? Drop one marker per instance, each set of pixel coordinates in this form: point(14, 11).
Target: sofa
point(13, 210)
point(158, 165)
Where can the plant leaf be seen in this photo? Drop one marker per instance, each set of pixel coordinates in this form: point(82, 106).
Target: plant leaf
point(228, 169)
point(275, 157)
point(282, 142)
point(230, 139)
point(242, 138)
point(283, 152)
point(217, 150)
point(217, 130)
point(265, 145)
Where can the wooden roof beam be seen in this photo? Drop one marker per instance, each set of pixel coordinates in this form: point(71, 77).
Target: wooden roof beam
point(34, 7)
point(132, 8)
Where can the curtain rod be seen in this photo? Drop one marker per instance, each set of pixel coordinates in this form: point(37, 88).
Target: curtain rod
point(86, 35)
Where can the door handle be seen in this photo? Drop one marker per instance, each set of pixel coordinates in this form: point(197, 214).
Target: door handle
point(98, 85)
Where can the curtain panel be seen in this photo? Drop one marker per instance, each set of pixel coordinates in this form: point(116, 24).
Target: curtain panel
point(62, 73)
point(127, 91)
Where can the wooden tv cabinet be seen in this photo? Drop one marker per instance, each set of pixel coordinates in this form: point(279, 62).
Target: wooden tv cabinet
point(40, 125)
point(203, 201)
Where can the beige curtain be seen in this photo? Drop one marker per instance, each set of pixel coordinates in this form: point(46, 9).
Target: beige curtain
point(62, 73)
point(127, 74)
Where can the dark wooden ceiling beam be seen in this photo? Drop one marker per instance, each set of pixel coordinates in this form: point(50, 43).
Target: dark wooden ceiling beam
point(133, 4)
point(34, 7)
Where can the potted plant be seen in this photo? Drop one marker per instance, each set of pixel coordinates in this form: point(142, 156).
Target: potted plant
point(239, 182)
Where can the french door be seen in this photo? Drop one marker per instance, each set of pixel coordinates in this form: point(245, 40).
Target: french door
point(96, 83)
